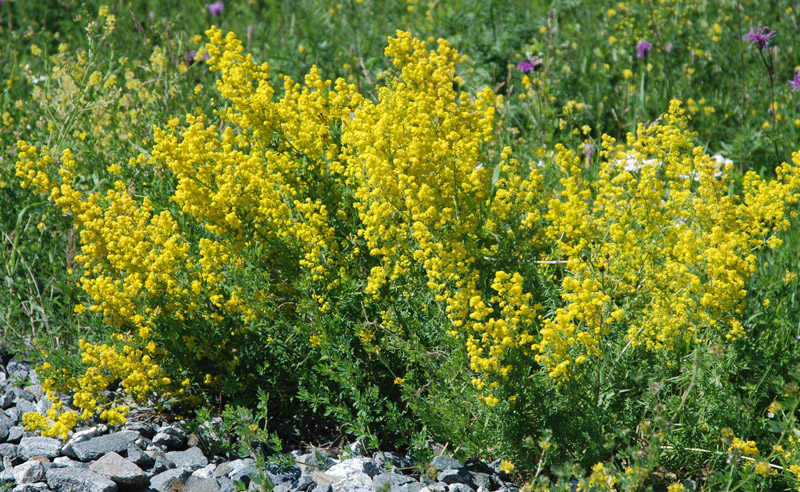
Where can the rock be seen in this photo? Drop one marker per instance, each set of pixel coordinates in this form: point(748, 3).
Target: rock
point(98, 446)
point(313, 461)
point(357, 449)
point(79, 436)
point(8, 450)
point(23, 395)
point(411, 487)
point(199, 484)
point(388, 461)
point(170, 480)
point(6, 399)
point(20, 408)
point(64, 461)
point(143, 428)
point(443, 463)
point(205, 472)
point(391, 482)
point(170, 437)
point(435, 487)
point(74, 479)
point(325, 487)
point(354, 465)
point(142, 459)
point(161, 465)
point(226, 485)
point(119, 470)
point(31, 487)
point(5, 426)
point(18, 371)
point(236, 468)
point(35, 390)
point(456, 476)
point(459, 487)
point(7, 473)
point(489, 482)
point(355, 483)
point(29, 472)
point(192, 458)
point(15, 434)
point(45, 447)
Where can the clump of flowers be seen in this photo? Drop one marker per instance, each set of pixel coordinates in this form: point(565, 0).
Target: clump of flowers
point(530, 65)
point(643, 49)
point(759, 37)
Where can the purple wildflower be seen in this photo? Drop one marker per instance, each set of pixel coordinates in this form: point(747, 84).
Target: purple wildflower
point(216, 8)
point(760, 37)
point(642, 49)
point(794, 84)
point(190, 57)
point(669, 48)
point(531, 65)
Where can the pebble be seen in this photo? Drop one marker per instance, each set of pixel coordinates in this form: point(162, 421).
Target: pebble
point(142, 456)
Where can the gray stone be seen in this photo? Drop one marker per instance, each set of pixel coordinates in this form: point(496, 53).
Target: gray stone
point(160, 465)
point(435, 487)
point(192, 458)
point(205, 472)
point(354, 484)
point(20, 408)
point(6, 399)
point(357, 449)
point(98, 446)
point(456, 476)
point(7, 473)
point(226, 485)
point(29, 472)
point(170, 437)
point(411, 487)
point(5, 425)
point(236, 468)
point(325, 487)
point(459, 487)
point(352, 466)
point(35, 390)
point(244, 473)
point(44, 447)
point(199, 484)
point(391, 461)
point(74, 479)
point(8, 450)
point(65, 461)
point(170, 480)
point(23, 395)
point(145, 429)
point(313, 461)
point(443, 463)
point(31, 487)
point(33, 377)
point(136, 455)
point(390, 481)
point(15, 434)
point(303, 483)
point(489, 482)
point(18, 371)
point(121, 471)
point(282, 474)
point(79, 436)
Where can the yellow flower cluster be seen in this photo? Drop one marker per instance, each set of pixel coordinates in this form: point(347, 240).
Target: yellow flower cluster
point(135, 369)
point(658, 242)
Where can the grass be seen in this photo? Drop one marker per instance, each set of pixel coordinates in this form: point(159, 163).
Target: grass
point(653, 419)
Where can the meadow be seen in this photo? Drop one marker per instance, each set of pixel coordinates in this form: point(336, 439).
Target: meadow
point(560, 233)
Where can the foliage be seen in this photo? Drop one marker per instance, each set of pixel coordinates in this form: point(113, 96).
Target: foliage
point(555, 262)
